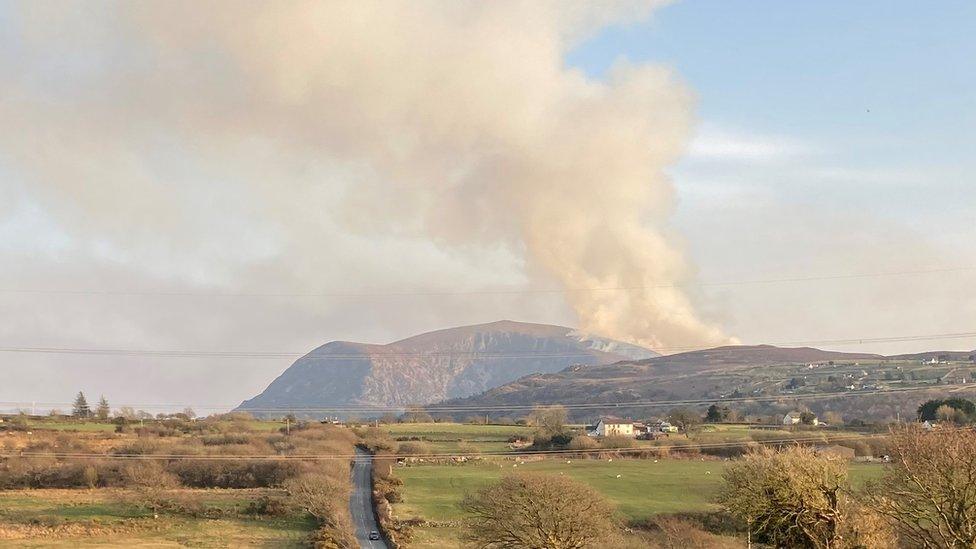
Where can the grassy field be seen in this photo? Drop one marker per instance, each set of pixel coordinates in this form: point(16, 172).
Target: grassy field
point(435, 431)
point(87, 426)
point(104, 518)
point(458, 437)
point(644, 487)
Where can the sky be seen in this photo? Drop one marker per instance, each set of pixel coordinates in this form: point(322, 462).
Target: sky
point(178, 178)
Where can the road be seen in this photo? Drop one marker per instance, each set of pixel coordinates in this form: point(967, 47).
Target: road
point(361, 502)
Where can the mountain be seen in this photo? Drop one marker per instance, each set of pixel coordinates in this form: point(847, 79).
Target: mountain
point(740, 372)
point(430, 367)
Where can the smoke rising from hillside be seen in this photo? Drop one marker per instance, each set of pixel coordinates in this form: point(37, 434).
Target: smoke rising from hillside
point(211, 138)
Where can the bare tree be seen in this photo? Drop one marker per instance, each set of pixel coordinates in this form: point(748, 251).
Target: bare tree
point(929, 493)
point(549, 421)
point(538, 511)
point(324, 494)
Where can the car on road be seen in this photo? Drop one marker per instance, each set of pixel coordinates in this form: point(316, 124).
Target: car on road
point(374, 535)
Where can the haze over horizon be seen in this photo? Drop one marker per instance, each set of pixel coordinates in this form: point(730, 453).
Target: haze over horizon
point(177, 178)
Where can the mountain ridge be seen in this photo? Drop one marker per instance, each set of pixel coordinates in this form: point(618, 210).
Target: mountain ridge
point(702, 374)
point(433, 366)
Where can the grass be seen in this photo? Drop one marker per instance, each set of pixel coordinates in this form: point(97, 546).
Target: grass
point(103, 518)
point(435, 431)
point(108, 426)
point(88, 426)
point(644, 488)
point(457, 437)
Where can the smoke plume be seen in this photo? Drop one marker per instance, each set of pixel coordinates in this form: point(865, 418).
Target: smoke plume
point(208, 138)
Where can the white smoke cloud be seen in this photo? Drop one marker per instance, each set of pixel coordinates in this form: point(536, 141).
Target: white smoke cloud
point(219, 142)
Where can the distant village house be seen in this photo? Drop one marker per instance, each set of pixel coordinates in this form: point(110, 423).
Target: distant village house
point(796, 418)
point(609, 426)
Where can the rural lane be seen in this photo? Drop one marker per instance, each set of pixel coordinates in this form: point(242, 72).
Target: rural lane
point(361, 501)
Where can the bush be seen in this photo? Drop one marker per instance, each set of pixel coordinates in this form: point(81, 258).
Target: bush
point(226, 438)
point(268, 506)
point(324, 494)
point(614, 442)
point(199, 473)
point(150, 482)
point(414, 448)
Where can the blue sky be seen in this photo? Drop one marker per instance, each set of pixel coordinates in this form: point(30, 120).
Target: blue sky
point(817, 68)
point(832, 137)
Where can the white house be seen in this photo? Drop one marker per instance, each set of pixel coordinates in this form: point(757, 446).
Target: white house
point(794, 418)
point(610, 426)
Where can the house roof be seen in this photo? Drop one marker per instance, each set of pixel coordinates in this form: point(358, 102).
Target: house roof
point(610, 420)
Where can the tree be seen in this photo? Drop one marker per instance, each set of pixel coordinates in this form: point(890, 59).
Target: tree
point(324, 494)
point(716, 414)
point(834, 418)
point(549, 421)
point(103, 410)
point(684, 419)
point(544, 511)
point(81, 408)
point(929, 411)
point(807, 418)
point(948, 414)
point(929, 492)
point(794, 498)
point(416, 414)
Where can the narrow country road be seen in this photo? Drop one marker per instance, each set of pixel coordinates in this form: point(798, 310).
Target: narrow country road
point(361, 501)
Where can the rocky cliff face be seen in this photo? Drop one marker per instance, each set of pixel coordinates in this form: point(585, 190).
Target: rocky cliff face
point(435, 366)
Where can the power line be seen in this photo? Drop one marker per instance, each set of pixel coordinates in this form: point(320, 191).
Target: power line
point(496, 291)
point(186, 353)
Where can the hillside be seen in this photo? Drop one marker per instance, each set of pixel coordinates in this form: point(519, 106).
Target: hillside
point(739, 372)
point(434, 366)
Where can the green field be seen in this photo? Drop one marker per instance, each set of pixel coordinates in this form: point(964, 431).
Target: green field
point(644, 487)
point(104, 518)
point(458, 437)
point(440, 431)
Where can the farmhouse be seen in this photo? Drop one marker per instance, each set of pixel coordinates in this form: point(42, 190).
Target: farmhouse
point(795, 418)
point(611, 426)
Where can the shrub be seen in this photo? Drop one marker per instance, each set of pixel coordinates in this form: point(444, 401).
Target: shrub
point(538, 511)
point(324, 495)
point(268, 506)
point(413, 448)
point(614, 442)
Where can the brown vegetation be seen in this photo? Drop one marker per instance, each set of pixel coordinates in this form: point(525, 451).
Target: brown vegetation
point(539, 511)
point(794, 498)
point(929, 493)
